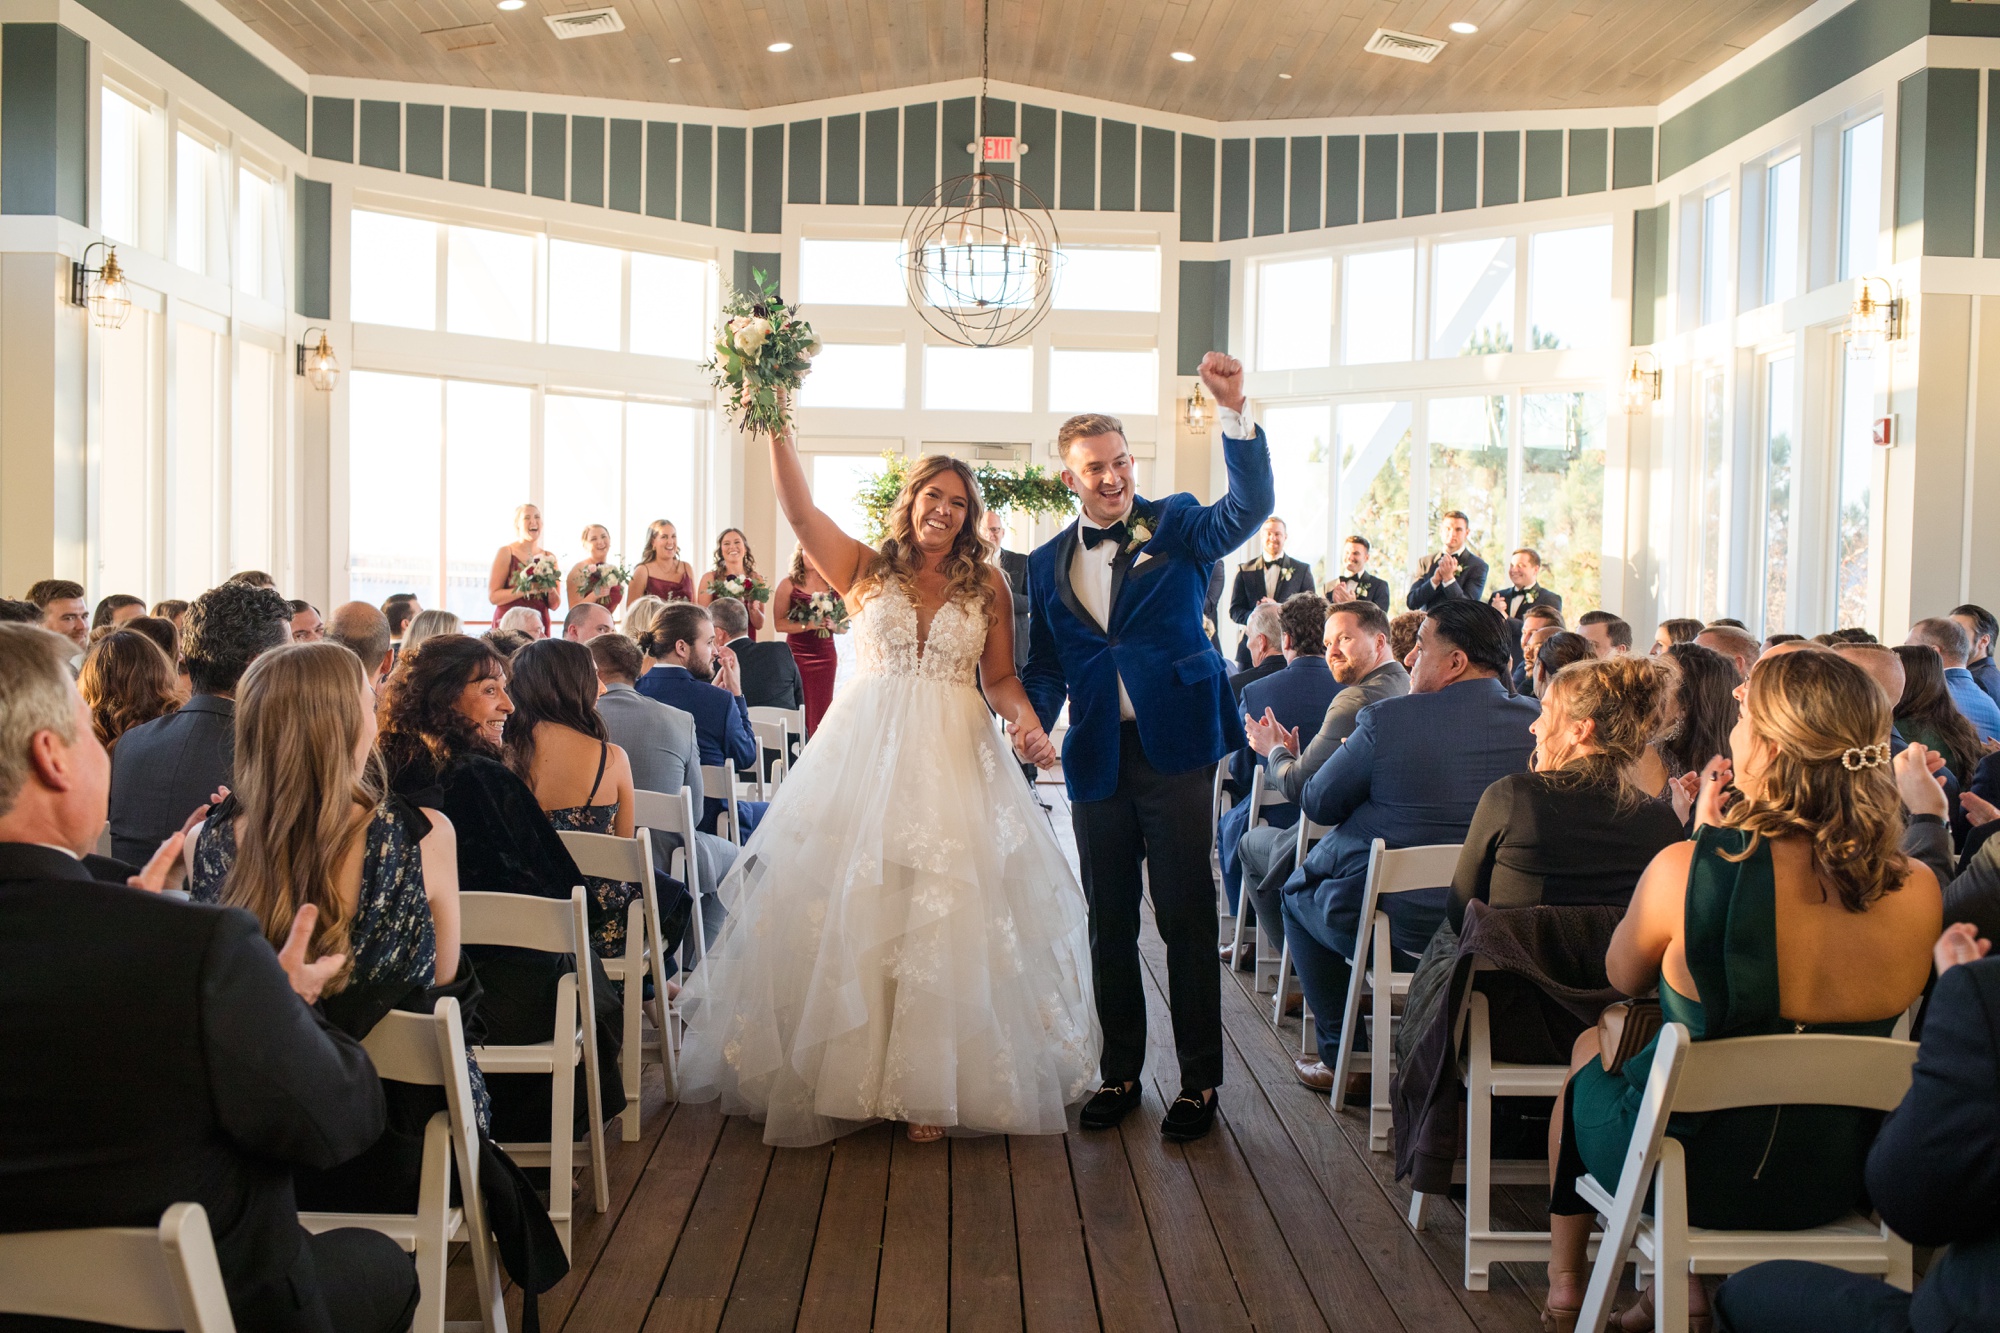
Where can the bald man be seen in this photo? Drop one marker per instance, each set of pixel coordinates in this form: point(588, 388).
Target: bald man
point(1881, 664)
point(1739, 646)
point(364, 631)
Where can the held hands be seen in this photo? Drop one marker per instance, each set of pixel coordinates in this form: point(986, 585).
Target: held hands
point(308, 979)
point(1960, 943)
point(1032, 744)
point(1267, 734)
point(1222, 375)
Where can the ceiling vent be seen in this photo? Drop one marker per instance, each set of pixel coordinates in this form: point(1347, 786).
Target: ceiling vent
point(585, 23)
point(1400, 45)
point(468, 38)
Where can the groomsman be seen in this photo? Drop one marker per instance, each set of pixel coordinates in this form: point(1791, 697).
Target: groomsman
point(1524, 574)
point(1455, 571)
point(1355, 581)
point(1271, 577)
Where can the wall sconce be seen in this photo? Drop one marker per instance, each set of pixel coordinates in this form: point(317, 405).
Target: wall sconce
point(318, 363)
point(1642, 385)
point(102, 289)
point(1873, 320)
point(1196, 415)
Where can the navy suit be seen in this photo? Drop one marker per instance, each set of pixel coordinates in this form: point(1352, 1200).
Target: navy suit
point(1412, 775)
point(1364, 586)
point(1139, 790)
point(721, 729)
point(1298, 696)
point(1934, 1174)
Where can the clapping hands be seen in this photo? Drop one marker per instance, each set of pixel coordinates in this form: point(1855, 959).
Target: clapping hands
point(1032, 744)
point(1705, 792)
point(1266, 733)
point(1960, 943)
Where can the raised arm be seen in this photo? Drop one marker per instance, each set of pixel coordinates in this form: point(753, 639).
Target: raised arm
point(839, 556)
point(1213, 531)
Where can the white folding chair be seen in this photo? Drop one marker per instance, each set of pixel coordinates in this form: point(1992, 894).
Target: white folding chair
point(1401, 870)
point(134, 1277)
point(1804, 1069)
point(1243, 891)
point(1218, 801)
point(430, 1050)
point(770, 736)
point(520, 921)
point(794, 722)
point(630, 861)
point(1309, 833)
point(718, 783)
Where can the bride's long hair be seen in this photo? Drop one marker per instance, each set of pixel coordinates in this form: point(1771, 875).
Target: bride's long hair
point(900, 557)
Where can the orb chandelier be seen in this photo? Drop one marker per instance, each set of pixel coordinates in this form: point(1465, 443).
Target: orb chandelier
point(980, 251)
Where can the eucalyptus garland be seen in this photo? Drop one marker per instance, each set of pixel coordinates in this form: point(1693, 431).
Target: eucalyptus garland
point(1033, 490)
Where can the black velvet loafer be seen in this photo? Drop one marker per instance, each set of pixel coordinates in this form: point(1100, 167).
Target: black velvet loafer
point(1111, 1104)
point(1189, 1117)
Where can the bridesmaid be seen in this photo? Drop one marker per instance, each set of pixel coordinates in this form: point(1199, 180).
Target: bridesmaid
point(733, 560)
point(812, 647)
point(507, 561)
point(662, 574)
point(598, 538)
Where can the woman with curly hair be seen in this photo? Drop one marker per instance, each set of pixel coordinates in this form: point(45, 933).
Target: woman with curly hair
point(127, 680)
point(1791, 911)
point(905, 940)
point(735, 575)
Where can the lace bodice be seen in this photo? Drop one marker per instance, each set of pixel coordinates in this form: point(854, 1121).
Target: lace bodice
point(884, 633)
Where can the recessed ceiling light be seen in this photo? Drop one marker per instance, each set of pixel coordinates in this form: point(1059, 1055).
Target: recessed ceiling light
point(673, 60)
point(1284, 76)
point(512, 5)
point(779, 48)
point(1184, 57)
point(1465, 29)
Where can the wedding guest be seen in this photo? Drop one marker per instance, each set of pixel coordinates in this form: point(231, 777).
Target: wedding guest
point(585, 621)
point(364, 631)
point(1953, 646)
point(1355, 581)
point(1927, 715)
point(116, 609)
point(1272, 577)
point(1702, 709)
point(307, 627)
point(735, 575)
point(589, 578)
point(1363, 663)
point(14, 611)
point(1671, 632)
point(556, 743)
point(399, 609)
point(1295, 698)
point(1739, 646)
point(1773, 640)
point(444, 714)
point(1609, 635)
point(172, 608)
point(662, 574)
point(506, 642)
point(700, 679)
point(1263, 638)
point(1524, 575)
point(1403, 635)
point(640, 613)
point(167, 767)
point(1793, 912)
point(523, 620)
point(429, 624)
point(502, 590)
point(1982, 629)
point(1454, 571)
point(127, 681)
point(244, 1082)
point(1411, 774)
point(255, 578)
point(1850, 634)
point(63, 609)
point(810, 636)
point(162, 632)
point(1536, 625)
point(768, 671)
point(1014, 565)
point(1554, 653)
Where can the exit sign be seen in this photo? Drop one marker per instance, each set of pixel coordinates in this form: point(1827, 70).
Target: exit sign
point(996, 148)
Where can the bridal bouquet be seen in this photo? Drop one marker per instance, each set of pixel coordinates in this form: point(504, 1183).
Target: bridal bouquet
point(763, 352)
point(603, 578)
point(538, 578)
point(821, 611)
point(743, 587)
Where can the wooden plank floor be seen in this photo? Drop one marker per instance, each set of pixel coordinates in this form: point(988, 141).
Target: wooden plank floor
point(1281, 1219)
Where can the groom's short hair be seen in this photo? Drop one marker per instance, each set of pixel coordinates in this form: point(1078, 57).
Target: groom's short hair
point(1084, 426)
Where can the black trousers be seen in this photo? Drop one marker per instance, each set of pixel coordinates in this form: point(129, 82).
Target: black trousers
point(1153, 831)
point(1786, 1296)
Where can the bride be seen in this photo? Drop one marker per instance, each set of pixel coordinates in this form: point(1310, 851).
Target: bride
point(905, 940)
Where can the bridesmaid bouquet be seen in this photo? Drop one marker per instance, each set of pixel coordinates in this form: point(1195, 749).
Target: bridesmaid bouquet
point(763, 352)
point(821, 611)
point(603, 578)
point(537, 578)
point(743, 587)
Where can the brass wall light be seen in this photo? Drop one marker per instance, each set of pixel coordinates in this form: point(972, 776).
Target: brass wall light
point(1196, 415)
point(1642, 385)
point(318, 363)
point(1872, 319)
point(102, 289)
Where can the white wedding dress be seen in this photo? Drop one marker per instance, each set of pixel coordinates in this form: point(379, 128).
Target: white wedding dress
point(905, 940)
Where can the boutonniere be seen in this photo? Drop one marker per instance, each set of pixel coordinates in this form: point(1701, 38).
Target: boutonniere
point(1139, 524)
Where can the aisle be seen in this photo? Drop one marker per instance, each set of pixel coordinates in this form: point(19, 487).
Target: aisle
point(1280, 1220)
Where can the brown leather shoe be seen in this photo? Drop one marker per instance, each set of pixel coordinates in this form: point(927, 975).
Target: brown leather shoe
point(1312, 1073)
point(1295, 1004)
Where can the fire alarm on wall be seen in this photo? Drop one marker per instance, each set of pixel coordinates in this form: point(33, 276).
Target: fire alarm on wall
point(1885, 430)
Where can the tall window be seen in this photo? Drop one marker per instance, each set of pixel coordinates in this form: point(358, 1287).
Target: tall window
point(1468, 465)
point(1778, 388)
point(1715, 257)
point(1301, 458)
point(257, 251)
point(1781, 230)
point(1857, 472)
point(1295, 314)
point(586, 287)
point(1100, 381)
point(393, 262)
point(979, 379)
point(856, 375)
point(1562, 491)
point(1472, 297)
point(1860, 197)
point(1373, 442)
point(617, 462)
point(1108, 278)
point(197, 187)
point(489, 283)
point(670, 306)
point(121, 165)
point(1378, 305)
point(1569, 288)
point(851, 272)
point(1713, 442)
point(250, 477)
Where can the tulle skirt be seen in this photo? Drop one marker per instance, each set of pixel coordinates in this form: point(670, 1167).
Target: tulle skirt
point(905, 940)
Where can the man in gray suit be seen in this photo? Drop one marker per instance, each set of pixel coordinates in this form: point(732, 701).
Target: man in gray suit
point(1358, 652)
point(659, 741)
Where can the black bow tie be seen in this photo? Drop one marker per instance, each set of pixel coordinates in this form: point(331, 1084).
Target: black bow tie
point(1117, 532)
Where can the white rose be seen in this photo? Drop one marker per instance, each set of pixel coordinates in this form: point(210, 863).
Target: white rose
point(812, 348)
point(750, 338)
point(1141, 533)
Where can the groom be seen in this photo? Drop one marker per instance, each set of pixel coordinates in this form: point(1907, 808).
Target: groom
point(1117, 627)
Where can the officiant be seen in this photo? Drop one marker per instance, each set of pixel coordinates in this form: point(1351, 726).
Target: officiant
point(1271, 577)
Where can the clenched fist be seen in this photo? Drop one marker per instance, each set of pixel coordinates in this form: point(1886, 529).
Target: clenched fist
point(1223, 376)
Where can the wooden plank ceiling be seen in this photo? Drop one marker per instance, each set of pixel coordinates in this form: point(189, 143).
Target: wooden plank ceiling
point(1527, 54)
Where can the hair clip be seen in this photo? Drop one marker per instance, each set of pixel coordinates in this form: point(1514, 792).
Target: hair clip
point(1857, 757)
